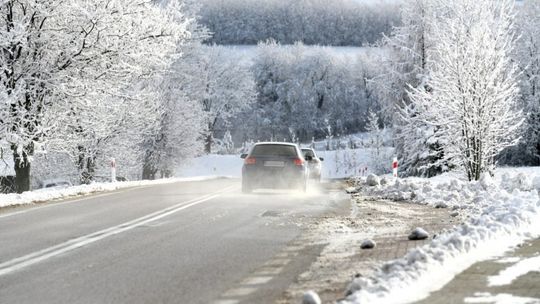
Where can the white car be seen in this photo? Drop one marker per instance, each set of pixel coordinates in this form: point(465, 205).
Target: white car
point(314, 162)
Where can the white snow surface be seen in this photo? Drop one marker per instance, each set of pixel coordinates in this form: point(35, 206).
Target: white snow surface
point(508, 275)
point(501, 213)
point(502, 298)
point(49, 194)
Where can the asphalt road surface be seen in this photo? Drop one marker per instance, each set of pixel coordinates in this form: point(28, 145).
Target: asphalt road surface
point(189, 242)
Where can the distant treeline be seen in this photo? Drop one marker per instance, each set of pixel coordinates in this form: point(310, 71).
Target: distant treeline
point(341, 23)
point(306, 92)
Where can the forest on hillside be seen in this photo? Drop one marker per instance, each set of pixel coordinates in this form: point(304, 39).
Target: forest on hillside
point(312, 22)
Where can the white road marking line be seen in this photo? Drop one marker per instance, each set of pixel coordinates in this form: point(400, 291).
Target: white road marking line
point(287, 254)
point(277, 262)
point(294, 248)
point(282, 255)
point(226, 302)
point(256, 280)
point(269, 271)
point(239, 292)
point(42, 255)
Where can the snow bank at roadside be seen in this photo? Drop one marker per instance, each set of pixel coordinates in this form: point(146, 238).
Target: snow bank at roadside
point(48, 194)
point(501, 213)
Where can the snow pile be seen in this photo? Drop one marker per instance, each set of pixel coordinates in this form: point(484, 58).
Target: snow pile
point(311, 297)
point(48, 194)
point(448, 191)
point(502, 213)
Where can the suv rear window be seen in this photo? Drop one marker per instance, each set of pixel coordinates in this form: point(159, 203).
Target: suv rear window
point(278, 150)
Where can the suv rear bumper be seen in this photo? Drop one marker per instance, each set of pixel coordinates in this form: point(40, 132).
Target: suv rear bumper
point(285, 178)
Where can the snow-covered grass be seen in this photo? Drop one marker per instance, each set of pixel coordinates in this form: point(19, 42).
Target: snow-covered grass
point(499, 214)
point(49, 194)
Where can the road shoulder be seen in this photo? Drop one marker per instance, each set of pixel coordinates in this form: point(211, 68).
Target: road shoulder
point(388, 223)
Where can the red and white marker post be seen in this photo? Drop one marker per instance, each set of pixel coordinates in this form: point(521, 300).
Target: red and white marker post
point(395, 166)
point(113, 170)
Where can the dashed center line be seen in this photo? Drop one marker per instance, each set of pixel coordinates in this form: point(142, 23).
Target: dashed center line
point(266, 273)
point(277, 262)
point(239, 292)
point(257, 280)
point(269, 271)
point(227, 302)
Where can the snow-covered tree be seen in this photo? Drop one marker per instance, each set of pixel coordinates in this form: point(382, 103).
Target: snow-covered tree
point(379, 160)
point(176, 138)
point(418, 144)
point(228, 143)
point(406, 64)
point(470, 98)
point(222, 86)
point(179, 120)
point(60, 59)
point(527, 56)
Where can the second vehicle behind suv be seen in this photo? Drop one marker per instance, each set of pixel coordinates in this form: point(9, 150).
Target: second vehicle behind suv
point(315, 163)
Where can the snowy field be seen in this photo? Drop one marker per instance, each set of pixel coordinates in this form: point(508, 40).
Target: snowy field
point(499, 213)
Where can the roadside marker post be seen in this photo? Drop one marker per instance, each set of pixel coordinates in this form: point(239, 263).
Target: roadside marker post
point(113, 170)
point(395, 166)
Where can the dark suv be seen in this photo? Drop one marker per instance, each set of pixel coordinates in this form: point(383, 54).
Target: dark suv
point(274, 165)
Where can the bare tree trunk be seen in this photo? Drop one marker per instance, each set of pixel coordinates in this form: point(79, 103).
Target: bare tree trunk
point(22, 172)
point(87, 166)
point(149, 172)
point(208, 143)
point(149, 168)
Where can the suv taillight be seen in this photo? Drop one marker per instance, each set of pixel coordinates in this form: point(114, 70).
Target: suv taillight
point(299, 162)
point(250, 161)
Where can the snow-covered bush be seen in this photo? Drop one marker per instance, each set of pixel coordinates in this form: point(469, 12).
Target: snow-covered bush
point(373, 180)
